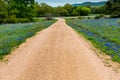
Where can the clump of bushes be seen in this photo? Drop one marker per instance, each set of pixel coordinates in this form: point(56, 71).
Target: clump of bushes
point(49, 16)
point(119, 21)
point(88, 17)
point(84, 17)
point(100, 16)
point(13, 19)
point(114, 16)
point(23, 20)
point(80, 17)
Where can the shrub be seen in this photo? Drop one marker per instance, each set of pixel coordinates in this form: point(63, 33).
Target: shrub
point(79, 17)
point(100, 16)
point(97, 17)
point(88, 17)
point(48, 16)
point(23, 20)
point(12, 19)
point(3, 20)
point(119, 21)
point(85, 11)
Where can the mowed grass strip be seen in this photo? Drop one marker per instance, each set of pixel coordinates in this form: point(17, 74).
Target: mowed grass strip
point(12, 35)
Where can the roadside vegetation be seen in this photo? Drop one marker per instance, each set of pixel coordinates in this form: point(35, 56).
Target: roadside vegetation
point(12, 35)
point(103, 33)
point(102, 28)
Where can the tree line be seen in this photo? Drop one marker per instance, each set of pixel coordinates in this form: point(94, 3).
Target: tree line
point(12, 11)
point(66, 10)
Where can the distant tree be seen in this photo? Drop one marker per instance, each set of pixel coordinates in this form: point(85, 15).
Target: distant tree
point(22, 8)
point(61, 11)
point(81, 11)
point(69, 9)
point(37, 8)
point(108, 7)
point(85, 11)
point(115, 1)
point(49, 16)
point(43, 9)
point(75, 12)
point(113, 7)
point(3, 12)
point(12, 11)
point(116, 9)
point(98, 10)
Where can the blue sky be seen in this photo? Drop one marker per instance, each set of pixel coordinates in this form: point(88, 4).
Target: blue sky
point(62, 2)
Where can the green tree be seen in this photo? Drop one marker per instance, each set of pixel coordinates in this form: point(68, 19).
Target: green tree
point(82, 11)
point(43, 9)
point(69, 9)
point(3, 12)
point(61, 11)
point(75, 12)
point(98, 10)
point(113, 7)
point(85, 11)
point(79, 10)
point(116, 9)
point(22, 8)
point(108, 7)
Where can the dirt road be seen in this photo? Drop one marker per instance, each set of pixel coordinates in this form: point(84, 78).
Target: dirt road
point(56, 53)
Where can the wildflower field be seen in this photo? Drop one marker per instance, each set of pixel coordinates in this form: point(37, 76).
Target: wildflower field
point(103, 33)
point(12, 35)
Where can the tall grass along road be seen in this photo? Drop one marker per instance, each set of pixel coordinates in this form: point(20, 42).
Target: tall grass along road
point(56, 53)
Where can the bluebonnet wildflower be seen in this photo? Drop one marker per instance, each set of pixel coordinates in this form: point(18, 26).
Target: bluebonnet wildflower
point(104, 33)
point(19, 39)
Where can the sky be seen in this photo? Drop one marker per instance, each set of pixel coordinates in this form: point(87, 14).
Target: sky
point(62, 2)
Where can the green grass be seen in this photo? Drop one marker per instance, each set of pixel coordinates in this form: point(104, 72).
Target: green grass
point(12, 35)
point(103, 33)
